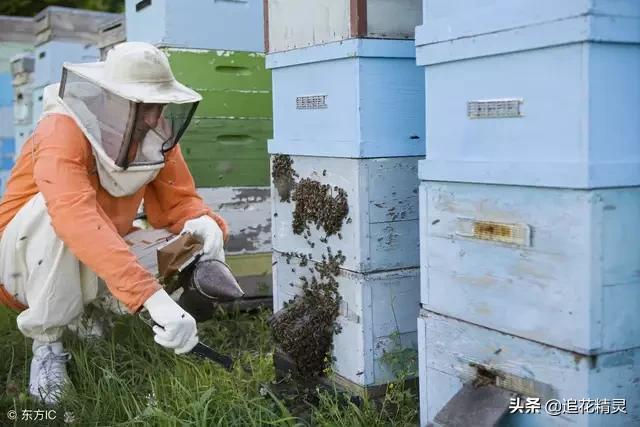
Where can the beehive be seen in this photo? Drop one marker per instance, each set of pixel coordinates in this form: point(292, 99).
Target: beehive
point(358, 98)
point(293, 24)
point(51, 55)
point(248, 250)
point(223, 24)
point(496, 114)
point(69, 24)
point(225, 145)
point(377, 314)
point(454, 353)
point(379, 231)
point(556, 266)
point(110, 34)
point(22, 105)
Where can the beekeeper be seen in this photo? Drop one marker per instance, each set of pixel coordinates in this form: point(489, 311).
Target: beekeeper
point(108, 138)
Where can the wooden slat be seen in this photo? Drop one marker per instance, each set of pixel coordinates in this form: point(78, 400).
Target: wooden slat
point(358, 18)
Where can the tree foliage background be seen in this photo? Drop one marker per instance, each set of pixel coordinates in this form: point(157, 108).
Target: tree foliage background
point(32, 7)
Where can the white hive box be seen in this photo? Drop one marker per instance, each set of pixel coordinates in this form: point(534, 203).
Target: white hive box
point(294, 24)
point(375, 307)
point(357, 98)
point(22, 105)
point(220, 24)
point(380, 231)
point(22, 67)
point(555, 266)
point(453, 353)
point(52, 55)
point(63, 23)
point(532, 93)
point(110, 34)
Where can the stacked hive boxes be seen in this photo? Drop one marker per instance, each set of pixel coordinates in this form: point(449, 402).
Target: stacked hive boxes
point(110, 34)
point(22, 67)
point(16, 35)
point(216, 48)
point(63, 35)
point(349, 130)
point(529, 204)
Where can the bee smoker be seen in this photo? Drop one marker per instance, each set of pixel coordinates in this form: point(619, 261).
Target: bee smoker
point(204, 284)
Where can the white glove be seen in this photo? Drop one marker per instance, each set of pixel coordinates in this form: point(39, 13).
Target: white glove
point(178, 328)
point(207, 229)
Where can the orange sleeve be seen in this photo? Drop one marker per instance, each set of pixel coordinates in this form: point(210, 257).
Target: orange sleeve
point(171, 199)
point(60, 172)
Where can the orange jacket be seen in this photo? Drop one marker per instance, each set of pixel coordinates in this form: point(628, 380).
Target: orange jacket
point(57, 161)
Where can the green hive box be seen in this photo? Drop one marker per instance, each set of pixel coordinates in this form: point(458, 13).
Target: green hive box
point(226, 143)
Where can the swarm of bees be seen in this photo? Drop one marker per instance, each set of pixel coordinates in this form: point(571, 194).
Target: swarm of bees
point(304, 328)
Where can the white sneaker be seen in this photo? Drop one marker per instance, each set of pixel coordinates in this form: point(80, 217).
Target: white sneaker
point(48, 375)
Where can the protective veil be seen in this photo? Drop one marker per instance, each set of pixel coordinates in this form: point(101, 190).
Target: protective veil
point(132, 111)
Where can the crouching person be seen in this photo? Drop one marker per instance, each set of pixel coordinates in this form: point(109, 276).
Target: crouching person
point(108, 138)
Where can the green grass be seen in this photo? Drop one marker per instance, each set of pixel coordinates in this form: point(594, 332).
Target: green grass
point(128, 380)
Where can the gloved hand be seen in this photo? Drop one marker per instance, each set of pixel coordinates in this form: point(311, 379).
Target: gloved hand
point(207, 229)
point(178, 330)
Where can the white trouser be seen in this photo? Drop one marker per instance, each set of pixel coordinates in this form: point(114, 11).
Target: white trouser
point(42, 273)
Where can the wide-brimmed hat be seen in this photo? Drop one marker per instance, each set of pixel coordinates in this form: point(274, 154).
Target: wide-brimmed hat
point(139, 72)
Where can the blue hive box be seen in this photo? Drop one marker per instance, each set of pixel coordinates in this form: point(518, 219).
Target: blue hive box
point(22, 132)
point(6, 90)
point(454, 353)
point(221, 24)
point(556, 266)
point(51, 55)
point(539, 93)
point(359, 98)
point(6, 121)
point(7, 153)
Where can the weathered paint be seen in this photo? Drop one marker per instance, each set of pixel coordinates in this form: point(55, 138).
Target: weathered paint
point(16, 29)
point(222, 24)
point(374, 100)
point(374, 308)
point(381, 228)
point(51, 55)
point(445, 20)
point(293, 24)
point(453, 353)
point(577, 129)
point(110, 34)
point(63, 23)
point(575, 286)
point(22, 66)
point(247, 211)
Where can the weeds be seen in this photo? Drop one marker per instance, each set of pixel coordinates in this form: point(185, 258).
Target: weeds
point(128, 380)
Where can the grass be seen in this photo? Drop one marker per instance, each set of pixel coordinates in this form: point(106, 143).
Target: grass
point(128, 380)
